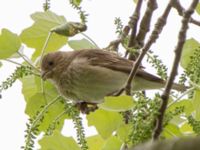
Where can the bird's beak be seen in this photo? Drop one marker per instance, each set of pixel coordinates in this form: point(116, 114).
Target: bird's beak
point(44, 75)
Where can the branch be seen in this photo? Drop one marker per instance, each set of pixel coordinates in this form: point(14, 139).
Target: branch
point(132, 24)
point(153, 37)
point(28, 61)
point(178, 51)
point(145, 23)
point(181, 10)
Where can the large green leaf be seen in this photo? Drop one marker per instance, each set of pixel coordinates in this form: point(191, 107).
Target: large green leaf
point(188, 50)
point(105, 122)
point(29, 87)
point(35, 36)
point(95, 142)
point(81, 44)
point(187, 104)
point(186, 129)
point(196, 104)
point(9, 43)
point(171, 130)
point(123, 131)
point(113, 143)
point(35, 99)
point(119, 104)
point(58, 142)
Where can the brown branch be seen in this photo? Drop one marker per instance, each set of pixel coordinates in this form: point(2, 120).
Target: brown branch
point(153, 37)
point(178, 51)
point(132, 24)
point(145, 23)
point(180, 10)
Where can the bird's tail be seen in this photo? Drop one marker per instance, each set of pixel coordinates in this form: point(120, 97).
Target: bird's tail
point(179, 87)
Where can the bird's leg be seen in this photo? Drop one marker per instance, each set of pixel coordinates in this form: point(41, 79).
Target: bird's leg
point(86, 107)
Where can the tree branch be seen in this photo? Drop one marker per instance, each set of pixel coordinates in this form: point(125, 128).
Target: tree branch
point(153, 37)
point(178, 51)
point(145, 23)
point(132, 24)
point(180, 10)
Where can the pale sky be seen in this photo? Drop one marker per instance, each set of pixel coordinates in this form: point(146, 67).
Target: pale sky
point(14, 15)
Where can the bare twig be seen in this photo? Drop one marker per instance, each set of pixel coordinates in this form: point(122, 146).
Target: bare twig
point(131, 25)
point(153, 37)
point(180, 10)
point(178, 51)
point(28, 61)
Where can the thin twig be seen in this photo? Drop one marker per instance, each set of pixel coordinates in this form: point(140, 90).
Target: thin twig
point(90, 39)
point(153, 37)
point(132, 24)
point(181, 96)
point(41, 56)
point(28, 61)
point(16, 63)
point(169, 84)
point(180, 10)
point(45, 46)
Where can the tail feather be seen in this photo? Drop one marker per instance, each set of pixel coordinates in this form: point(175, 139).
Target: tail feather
point(179, 87)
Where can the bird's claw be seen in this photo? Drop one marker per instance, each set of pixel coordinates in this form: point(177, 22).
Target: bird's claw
point(86, 108)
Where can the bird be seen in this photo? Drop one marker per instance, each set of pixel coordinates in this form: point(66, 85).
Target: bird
point(87, 76)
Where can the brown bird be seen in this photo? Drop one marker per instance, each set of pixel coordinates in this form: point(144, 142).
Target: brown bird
point(89, 75)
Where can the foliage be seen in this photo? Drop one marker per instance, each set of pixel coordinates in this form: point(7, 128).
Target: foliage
point(121, 120)
point(143, 118)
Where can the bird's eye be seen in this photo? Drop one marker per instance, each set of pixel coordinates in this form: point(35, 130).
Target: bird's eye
point(50, 63)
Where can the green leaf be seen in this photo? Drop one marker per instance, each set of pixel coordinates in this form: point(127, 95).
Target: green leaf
point(113, 143)
point(172, 130)
point(105, 122)
point(81, 44)
point(123, 131)
point(119, 104)
point(198, 8)
point(187, 103)
point(9, 43)
point(34, 105)
point(35, 99)
point(58, 142)
point(188, 50)
point(76, 2)
point(29, 87)
point(95, 142)
point(196, 104)
point(186, 129)
point(35, 36)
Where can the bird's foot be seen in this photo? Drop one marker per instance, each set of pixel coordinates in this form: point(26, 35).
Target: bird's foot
point(86, 108)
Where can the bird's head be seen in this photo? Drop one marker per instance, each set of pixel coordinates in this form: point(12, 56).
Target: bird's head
point(50, 64)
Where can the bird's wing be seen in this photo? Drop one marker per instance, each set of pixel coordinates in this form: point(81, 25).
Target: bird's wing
point(112, 61)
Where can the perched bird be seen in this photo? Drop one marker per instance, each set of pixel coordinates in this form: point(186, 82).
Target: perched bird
point(91, 74)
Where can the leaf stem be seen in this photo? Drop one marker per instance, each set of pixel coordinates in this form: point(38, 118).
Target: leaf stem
point(90, 39)
point(16, 63)
point(181, 96)
point(28, 61)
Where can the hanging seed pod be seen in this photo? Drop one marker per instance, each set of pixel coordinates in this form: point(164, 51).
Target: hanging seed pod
point(69, 29)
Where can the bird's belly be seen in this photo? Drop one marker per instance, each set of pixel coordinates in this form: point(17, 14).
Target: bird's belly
point(91, 85)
